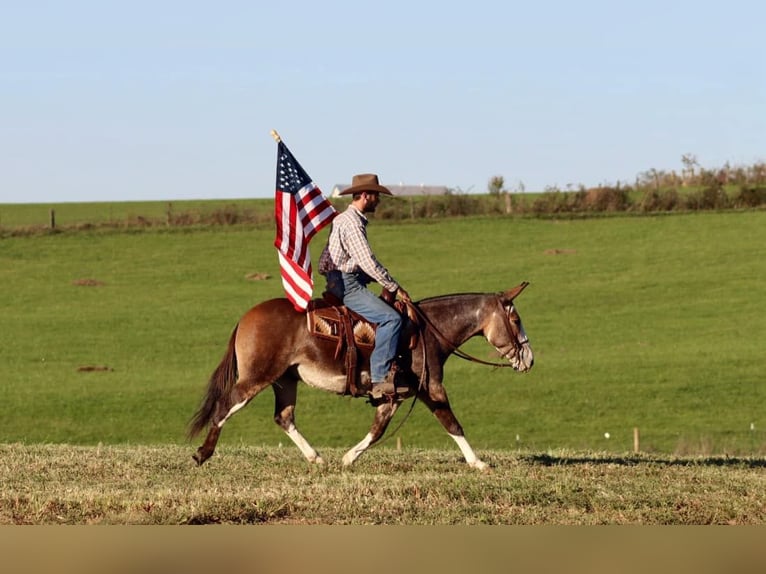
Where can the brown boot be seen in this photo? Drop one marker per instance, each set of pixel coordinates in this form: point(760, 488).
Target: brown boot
point(391, 385)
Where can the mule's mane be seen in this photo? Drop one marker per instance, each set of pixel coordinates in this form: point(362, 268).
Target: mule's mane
point(446, 298)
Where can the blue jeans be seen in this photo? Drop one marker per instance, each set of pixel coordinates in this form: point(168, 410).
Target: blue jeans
point(352, 289)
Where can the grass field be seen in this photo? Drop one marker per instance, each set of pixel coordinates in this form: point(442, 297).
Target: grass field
point(59, 484)
point(654, 323)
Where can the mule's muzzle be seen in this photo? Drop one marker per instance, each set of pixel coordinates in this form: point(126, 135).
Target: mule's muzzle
point(524, 359)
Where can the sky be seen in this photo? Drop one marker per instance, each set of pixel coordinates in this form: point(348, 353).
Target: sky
point(164, 100)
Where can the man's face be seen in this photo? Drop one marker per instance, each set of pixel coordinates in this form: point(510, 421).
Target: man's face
point(372, 198)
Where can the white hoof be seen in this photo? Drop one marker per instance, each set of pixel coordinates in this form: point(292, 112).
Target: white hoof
point(479, 465)
point(318, 460)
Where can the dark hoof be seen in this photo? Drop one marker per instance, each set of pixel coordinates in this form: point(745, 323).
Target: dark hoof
point(198, 458)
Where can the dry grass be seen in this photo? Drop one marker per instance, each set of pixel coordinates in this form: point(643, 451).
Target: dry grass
point(59, 484)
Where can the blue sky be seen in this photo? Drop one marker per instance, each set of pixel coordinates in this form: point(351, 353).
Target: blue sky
point(116, 101)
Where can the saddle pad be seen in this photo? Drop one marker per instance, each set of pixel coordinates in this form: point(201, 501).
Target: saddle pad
point(325, 322)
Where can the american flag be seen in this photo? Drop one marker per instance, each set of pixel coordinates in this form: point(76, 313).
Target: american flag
point(301, 211)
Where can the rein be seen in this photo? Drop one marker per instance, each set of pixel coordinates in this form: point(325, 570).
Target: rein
point(455, 349)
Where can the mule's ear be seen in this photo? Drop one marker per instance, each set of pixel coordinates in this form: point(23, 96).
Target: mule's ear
point(511, 294)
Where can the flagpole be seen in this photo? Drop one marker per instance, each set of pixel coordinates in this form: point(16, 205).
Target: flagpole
point(275, 135)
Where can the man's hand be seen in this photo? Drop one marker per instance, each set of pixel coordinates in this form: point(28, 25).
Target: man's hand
point(403, 295)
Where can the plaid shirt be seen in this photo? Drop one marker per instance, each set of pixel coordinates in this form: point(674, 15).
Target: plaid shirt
point(349, 251)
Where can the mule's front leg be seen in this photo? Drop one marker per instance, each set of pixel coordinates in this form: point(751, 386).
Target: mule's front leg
point(470, 456)
point(440, 407)
point(383, 416)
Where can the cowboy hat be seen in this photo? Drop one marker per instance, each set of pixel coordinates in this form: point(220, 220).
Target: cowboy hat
point(365, 182)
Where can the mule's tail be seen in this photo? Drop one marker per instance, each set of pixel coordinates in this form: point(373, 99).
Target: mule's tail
point(221, 382)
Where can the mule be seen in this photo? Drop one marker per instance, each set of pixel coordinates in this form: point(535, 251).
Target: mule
point(271, 346)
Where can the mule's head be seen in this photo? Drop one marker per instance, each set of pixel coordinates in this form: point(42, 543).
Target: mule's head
point(505, 331)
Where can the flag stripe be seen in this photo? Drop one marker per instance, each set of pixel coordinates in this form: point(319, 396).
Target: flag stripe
point(296, 282)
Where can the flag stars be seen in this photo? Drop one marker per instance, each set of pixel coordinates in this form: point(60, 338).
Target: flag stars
point(291, 178)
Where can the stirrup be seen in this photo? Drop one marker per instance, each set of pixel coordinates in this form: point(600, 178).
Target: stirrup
point(391, 385)
point(381, 390)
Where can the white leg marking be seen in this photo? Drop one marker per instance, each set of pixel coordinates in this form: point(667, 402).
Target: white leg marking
point(232, 410)
point(307, 450)
point(470, 456)
point(357, 451)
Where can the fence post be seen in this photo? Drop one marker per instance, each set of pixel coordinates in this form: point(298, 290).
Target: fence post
point(636, 446)
point(52, 218)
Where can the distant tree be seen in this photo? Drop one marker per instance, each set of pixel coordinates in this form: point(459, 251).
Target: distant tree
point(690, 162)
point(496, 184)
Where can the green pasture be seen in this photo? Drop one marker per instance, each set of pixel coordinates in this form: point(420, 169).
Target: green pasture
point(655, 323)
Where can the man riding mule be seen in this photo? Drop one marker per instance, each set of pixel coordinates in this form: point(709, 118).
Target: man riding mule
point(349, 265)
point(262, 355)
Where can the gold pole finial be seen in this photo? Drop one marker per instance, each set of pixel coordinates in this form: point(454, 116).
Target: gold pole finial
point(275, 135)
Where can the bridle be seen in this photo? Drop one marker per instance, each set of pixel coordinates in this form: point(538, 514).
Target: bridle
point(515, 344)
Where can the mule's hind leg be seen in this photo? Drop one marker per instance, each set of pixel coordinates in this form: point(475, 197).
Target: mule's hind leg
point(207, 449)
point(383, 415)
point(242, 393)
point(285, 397)
point(440, 407)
